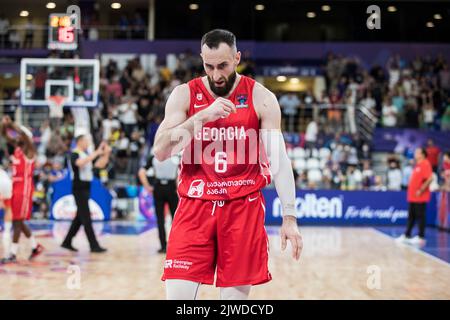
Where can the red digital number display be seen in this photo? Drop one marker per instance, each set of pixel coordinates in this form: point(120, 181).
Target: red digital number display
point(65, 34)
point(62, 34)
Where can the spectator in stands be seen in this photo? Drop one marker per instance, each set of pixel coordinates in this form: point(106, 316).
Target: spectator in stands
point(444, 78)
point(411, 116)
point(337, 178)
point(138, 74)
point(367, 176)
point(122, 145)
point(289, 103)
point(302, 181)
point(4, 31)
point(136, 143)
point(128, 114)
point(138, 26)
point(111, 69)
point(365, 152)
point(445, 121)
point(114, 91)
point(406, 173)
point(393, 67)
point(389, 114)
point(433, 153)
point(29, 34)
point(143, 114)
point(312, 130)
point(368, 102)
point(14, 39)
point(394, 176)
point(334, 114)
point(378, 184)
point(428, 116)
point(123, 27)
point(108, 125)
point(354, 178)
point(398, 100)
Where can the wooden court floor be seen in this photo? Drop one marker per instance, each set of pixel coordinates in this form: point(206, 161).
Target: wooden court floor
point(337, 263)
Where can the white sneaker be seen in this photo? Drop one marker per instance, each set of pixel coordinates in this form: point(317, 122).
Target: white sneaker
point(418, 241)
point(402, 239)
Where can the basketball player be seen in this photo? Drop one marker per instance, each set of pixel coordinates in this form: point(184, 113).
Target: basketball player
point(23, 161)
point(5, 203)
point(218, 121)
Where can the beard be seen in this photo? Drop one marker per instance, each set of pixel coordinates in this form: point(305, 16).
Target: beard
point(224, 90)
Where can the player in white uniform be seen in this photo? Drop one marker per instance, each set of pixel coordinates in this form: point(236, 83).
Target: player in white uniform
point(5, 203)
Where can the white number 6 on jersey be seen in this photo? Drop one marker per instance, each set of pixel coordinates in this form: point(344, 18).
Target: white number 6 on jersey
point(220, 162)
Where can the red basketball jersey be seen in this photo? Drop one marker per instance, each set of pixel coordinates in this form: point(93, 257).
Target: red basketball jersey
point(22, 172)
point(225, 160)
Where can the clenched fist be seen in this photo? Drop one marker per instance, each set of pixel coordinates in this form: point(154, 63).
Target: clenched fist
point(221, 108)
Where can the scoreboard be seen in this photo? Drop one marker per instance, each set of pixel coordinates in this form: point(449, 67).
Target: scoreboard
point(62, 33)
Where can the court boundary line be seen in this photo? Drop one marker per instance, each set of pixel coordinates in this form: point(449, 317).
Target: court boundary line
point(429, 255)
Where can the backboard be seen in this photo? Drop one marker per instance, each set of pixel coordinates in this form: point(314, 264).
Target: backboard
point(75, 79)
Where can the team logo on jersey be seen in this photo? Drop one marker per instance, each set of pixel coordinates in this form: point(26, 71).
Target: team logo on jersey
point(199, 96)
point(196, 188)
point(242, 99)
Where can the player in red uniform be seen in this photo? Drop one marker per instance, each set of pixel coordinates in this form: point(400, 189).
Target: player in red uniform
point(218, 121)
point(22, 176)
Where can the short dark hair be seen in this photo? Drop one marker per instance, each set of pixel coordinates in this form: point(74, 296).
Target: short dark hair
point(215, 37)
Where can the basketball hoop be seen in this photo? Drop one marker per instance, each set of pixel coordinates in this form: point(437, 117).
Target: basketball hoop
point(55, 105)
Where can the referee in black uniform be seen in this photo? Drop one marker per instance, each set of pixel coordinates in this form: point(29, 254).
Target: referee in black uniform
point(160, 178)
point(81, 166)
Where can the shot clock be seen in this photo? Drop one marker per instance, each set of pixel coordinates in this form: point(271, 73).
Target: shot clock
point(62, 33)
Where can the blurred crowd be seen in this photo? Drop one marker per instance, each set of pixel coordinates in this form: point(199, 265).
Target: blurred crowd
point(331, 154)
point(405, 94)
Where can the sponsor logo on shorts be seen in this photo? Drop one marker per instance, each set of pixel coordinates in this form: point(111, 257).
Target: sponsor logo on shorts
point(196, 188)
point(177, 264)
point(168, 264)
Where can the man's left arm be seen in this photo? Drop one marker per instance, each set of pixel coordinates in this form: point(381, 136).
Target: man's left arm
point(281, 168)
point(426, 184)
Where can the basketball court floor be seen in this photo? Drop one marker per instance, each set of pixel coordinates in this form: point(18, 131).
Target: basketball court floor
point(337, 263)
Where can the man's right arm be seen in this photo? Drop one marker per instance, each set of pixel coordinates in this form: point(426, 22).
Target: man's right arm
point(177, 130)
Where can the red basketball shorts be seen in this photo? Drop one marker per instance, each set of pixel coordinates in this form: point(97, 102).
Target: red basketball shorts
point(227, 236)
point(21, 203)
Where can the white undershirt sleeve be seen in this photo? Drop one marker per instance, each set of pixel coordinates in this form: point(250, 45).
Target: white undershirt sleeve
point(281, 169)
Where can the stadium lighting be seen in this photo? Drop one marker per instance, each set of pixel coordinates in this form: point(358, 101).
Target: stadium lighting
point(326, 8)
point(437, 16)
point(193, 6)
point(281, 78)
point(392, 9)
point(430, 24)
point(311, 14)
point(51, 5)
point(260, 7)
point(116, 5)
point(24, 13)
point(294, 80)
